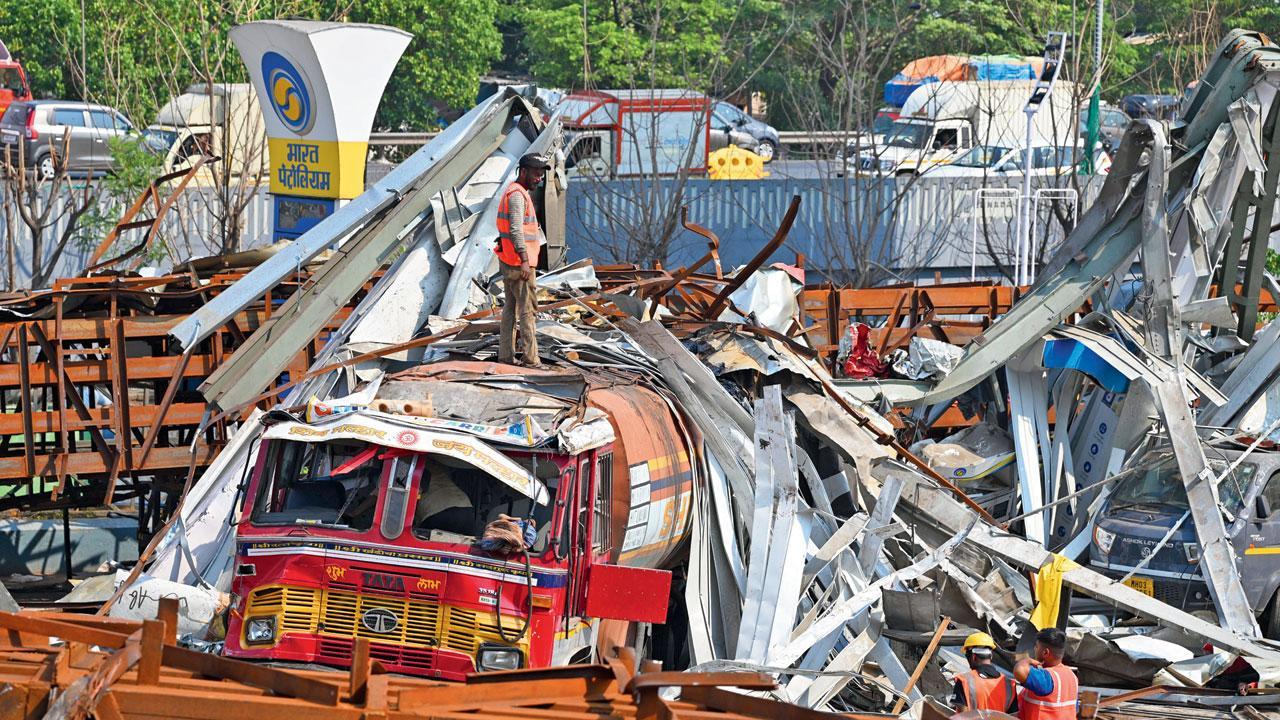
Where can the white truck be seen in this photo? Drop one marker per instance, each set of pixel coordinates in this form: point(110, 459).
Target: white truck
point(222, 119)
point(943, 121)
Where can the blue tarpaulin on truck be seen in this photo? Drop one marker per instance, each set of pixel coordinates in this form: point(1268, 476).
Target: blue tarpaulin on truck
point(1003, 67)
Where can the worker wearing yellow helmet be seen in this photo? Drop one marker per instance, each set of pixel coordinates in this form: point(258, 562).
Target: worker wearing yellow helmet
point(984, 687)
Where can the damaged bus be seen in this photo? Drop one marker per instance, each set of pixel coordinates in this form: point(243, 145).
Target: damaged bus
point(467, 517)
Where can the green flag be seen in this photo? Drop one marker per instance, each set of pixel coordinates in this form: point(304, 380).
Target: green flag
point(1091, 133)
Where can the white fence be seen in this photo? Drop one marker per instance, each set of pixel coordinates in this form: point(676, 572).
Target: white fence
point(192, 228)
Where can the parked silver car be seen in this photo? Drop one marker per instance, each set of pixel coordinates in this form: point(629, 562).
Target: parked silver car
point(39, 126)
point(730, 125)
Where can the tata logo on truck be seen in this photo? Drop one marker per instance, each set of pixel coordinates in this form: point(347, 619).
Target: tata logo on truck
point(378, 581)
point(379, 620)
point(289, 95)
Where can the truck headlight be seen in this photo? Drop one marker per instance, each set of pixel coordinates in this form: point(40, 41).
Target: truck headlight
point(1192, 551)
point(260, 630)
point(498, 657)
point(1103, 539)
point(886, 164)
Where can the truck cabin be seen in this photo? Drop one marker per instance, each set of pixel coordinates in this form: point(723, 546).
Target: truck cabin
point(928, 135)
point(351, 486)
point(1151, 502)
point(13, 80)
point(342, 539)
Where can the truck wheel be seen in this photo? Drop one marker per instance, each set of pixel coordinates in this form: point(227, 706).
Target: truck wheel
point(1271, 618)
point(766, 150)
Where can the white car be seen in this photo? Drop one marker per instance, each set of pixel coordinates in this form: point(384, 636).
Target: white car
point(993, 160)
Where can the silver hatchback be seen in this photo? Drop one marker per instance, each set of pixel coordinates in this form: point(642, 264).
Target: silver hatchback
point(39, 125)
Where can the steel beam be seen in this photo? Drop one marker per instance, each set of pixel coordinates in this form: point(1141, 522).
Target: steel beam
point(268, 351)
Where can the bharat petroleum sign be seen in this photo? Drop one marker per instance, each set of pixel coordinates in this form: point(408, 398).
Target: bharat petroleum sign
point(322, 82)
point(288, 93)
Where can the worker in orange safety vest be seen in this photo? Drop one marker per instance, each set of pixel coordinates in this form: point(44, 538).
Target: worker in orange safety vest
point(1050, 690)
point(519, 242)
point(984, 687)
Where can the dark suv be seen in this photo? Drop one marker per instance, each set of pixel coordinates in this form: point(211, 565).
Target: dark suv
point(39, 125)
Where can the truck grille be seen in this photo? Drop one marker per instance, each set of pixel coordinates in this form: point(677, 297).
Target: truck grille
point(419, 623)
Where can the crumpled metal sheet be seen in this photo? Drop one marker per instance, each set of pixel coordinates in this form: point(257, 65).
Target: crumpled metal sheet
point(927, 359)
point(768, 296)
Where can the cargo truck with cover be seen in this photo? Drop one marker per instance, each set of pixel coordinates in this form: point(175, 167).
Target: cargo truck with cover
point(943, 121)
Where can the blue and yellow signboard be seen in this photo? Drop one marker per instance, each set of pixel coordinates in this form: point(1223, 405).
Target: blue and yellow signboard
point(320, 84)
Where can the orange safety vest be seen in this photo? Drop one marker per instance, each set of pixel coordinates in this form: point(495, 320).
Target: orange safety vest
point(532, 233)
point(983, 693)
point(1057, 705)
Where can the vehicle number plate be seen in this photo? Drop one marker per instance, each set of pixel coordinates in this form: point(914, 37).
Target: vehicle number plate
point(8, 134)
point(1146, 586)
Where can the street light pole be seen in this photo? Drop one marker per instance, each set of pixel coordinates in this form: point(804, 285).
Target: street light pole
point(1055, 49)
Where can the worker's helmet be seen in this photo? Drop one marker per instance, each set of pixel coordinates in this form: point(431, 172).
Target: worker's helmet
point(979, 640)
point(535, 161)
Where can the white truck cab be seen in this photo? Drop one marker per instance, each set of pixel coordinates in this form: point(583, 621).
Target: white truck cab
point(223, 120)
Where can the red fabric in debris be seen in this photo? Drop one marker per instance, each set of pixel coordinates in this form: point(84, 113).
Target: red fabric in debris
point(863, 361)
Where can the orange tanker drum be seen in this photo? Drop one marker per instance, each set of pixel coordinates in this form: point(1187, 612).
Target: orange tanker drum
point(650, 491)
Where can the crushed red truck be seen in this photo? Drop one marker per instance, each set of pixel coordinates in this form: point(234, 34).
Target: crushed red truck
point(370, 521)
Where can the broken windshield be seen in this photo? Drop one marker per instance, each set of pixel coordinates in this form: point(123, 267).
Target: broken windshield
point(1160, 486)
point(456, 501)
point(333, 484)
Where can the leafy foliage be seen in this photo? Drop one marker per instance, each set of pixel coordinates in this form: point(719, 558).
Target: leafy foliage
point(136, 55)
point(811, 58)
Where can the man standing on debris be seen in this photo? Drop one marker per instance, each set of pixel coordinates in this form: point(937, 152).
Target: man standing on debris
point(519, 242)
point(1050, 690)
point(984, 687)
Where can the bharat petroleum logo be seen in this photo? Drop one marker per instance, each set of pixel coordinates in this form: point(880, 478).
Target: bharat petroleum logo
point(288, 93)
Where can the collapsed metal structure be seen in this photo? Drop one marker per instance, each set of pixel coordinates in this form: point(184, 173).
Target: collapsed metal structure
point(822, 548)
point(98, 404)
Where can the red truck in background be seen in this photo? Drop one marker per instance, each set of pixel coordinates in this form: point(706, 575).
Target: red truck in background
point(621, 133)
point(13, 80)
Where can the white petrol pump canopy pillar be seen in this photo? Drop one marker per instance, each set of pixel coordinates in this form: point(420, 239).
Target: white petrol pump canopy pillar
point(320, 84)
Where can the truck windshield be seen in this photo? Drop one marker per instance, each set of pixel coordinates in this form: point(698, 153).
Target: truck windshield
point(456, 502)
point(11, 80)
point(1161, 486)
point(983, 156)
point(159, 141)
point(909, 135)
point(332, 484)
point(883, 124)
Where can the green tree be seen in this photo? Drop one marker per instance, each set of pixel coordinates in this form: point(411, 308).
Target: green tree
point(136, 55)
point(703, 44)
point(454, 43)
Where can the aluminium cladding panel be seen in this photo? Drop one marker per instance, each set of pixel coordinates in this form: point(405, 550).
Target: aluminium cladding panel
point(330, 232)
point(938, 516)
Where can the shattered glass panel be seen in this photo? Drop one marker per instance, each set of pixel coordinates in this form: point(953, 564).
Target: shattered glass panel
point(1161, 486)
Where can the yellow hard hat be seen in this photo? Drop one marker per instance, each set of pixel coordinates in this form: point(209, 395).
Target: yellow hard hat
point(979, 640)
